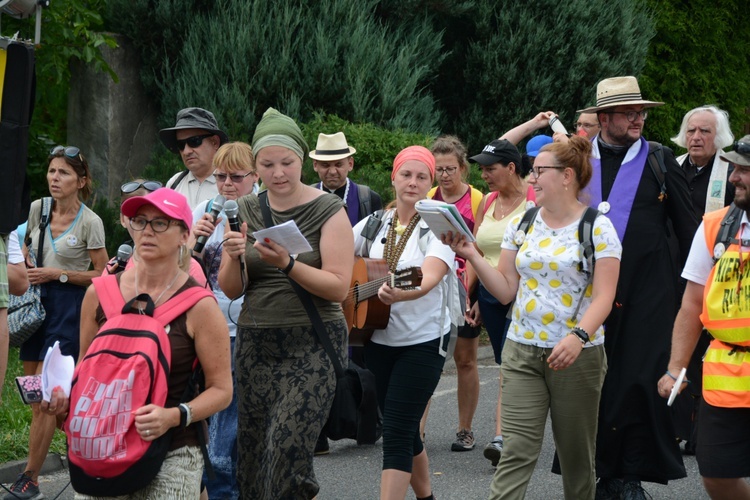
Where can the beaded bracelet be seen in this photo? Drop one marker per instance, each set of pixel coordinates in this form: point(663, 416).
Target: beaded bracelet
point(684, 381)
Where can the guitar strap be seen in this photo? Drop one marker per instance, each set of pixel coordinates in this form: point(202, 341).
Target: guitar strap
point(305, 298)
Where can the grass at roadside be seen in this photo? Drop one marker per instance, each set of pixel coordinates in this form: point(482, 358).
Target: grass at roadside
point(15, 417)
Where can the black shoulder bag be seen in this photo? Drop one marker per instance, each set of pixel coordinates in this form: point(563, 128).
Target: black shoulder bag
point(355, 413)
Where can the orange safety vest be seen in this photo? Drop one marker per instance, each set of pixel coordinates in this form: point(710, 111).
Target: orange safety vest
point(726, 316)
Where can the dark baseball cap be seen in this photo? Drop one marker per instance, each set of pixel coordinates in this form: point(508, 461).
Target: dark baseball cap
point(498, 151)
point(191, 118)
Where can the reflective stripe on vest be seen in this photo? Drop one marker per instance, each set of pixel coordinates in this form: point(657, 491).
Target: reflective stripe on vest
point(726, 316)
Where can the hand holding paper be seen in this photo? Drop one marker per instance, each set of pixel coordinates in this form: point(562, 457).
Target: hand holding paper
point(57, 372)
point(443, 218)
point(676, 387)
point(287, 235)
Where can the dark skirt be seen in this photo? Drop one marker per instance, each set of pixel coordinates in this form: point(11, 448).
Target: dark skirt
point(285, 389)
point(62, 304)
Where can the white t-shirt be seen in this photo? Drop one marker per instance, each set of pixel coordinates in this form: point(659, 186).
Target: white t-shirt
point(412, 321)
point(212, 259)
point(15, 255)
point(700, 261)
point(194, 190)
point(550, 284)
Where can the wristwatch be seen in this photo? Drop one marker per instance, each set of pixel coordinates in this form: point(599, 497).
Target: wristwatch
point(63, 277)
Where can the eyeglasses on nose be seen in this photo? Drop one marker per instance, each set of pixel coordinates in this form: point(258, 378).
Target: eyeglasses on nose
point(69, 151)
point(194, 142)
point(631, 115)
point(132, 186)
point(586, 125)
point(536, 171)
point(236, 178)
point(159, 225)
point(446, 170)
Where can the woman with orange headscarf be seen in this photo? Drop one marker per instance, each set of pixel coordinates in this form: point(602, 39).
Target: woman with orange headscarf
point(407, 356)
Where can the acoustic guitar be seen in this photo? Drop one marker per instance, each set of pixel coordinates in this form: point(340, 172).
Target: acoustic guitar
point(363, 310)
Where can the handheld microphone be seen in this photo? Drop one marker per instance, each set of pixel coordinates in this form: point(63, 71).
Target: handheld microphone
point(232, 210)
point(123, 256)
point(216, 207)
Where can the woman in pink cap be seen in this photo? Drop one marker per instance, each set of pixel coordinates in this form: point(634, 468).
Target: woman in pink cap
point(407, 356)
point(161, 223)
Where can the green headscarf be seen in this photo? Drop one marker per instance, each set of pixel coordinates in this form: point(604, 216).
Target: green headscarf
point(277, 129)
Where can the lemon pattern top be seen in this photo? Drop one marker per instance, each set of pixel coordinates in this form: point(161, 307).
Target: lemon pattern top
point(550, 283)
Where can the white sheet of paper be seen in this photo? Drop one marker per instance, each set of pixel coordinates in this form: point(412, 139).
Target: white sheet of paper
point(676, 387)
point(443, 218)
point(57, 371)
point(287, 235)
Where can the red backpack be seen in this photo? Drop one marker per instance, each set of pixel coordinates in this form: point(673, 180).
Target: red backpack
point(126, 367)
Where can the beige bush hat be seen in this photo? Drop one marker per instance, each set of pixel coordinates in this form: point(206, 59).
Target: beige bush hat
point(331, 147)
point(740, 154)
point(618, 91)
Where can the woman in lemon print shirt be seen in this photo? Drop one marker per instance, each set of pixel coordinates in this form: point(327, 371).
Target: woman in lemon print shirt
point(551, 362)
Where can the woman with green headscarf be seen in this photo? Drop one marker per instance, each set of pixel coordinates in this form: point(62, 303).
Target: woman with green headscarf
point(285, 379)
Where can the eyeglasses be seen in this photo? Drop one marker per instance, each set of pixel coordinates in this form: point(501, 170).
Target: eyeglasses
point(586, 125)
point(69, 151)
point(537, 171)
point(132, 186)
point(631, 115)
point(742, 148)
point(194, 142)
point(159, 225)
point(446, 170)
point(236, 178)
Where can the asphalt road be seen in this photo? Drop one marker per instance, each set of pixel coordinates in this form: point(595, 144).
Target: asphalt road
point(353, 472)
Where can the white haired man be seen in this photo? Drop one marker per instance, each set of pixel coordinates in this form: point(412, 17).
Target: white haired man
point(704, 131)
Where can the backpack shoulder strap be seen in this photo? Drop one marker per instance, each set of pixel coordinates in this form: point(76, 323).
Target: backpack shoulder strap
point(656, 162)
point(179, 179)
point(488, 202)
point(180, 303)
point(728, 227)
point(44, 219)
point(528, 218)
point(365, 203)
point(585, 238)
point(108, 290)
point(371, 229)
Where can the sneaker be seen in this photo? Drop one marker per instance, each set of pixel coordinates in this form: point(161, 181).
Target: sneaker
point(608, 488)
point(24, 488)
point(632, 490)
point(464, 441)
point(321, 446)
point(493, 451)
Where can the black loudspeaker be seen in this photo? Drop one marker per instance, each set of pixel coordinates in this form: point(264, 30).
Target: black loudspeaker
point(17, 107)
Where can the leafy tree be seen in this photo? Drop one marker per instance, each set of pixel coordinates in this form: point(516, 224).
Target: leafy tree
point(71, 29)
point(699, 56)
point(538, 55)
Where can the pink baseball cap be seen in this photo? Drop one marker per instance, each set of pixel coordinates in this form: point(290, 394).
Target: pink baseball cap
point(172, 203)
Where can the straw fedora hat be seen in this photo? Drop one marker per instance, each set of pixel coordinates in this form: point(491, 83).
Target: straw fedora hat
point(331, 147)
point(618, 91)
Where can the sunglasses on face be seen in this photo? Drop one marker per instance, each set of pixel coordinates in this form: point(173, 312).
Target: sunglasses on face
point(236, 178)
point(132, 186)
point(194, 142)
point(69, 151)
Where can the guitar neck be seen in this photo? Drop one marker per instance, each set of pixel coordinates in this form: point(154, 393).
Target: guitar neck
point(370, 289)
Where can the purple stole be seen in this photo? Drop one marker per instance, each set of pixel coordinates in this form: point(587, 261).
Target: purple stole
point(351, 201)
point(623, 191)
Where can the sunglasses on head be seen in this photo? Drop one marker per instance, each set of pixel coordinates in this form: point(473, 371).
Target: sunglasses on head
point(69, 151)
point(194, 142)
point(742, 148)
point(132, 186)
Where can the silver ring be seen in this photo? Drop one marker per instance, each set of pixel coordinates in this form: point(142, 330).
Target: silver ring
point(147, 433)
